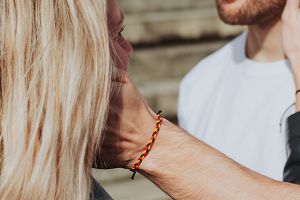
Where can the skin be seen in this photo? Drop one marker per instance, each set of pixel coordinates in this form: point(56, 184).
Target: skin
point(120, 47)
point(181, 165)
point(291, 42)
point(264, 26)
point(269, 37)
point(249, 12)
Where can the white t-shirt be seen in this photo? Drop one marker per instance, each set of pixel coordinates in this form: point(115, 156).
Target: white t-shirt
point(235, 105)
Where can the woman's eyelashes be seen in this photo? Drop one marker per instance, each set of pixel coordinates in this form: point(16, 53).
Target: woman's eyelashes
point(119, 34)
point(121, 30)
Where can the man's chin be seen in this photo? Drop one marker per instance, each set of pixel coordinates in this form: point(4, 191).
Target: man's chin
point(234, 19)
point(231, 13)
point(236, 12)
point(247, 19)
point(238, 22)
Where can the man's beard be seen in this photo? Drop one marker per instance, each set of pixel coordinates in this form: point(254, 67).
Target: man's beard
point(251, 12)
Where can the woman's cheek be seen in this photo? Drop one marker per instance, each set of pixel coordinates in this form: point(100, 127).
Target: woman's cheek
point(128, 47)
point(122, 58)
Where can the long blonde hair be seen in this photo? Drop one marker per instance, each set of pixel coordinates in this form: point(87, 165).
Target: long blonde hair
point(55, 82)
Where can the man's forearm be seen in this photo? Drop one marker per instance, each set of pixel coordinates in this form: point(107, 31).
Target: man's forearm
point(186, 168)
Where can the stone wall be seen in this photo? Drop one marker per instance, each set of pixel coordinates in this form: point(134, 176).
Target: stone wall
point(169, 38)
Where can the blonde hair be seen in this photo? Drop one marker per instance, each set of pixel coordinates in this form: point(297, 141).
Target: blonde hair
point(55, 82)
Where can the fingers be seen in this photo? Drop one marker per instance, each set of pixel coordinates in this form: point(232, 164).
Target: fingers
point(291, 10)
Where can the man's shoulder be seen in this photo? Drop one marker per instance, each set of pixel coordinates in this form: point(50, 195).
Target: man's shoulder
point(213, 64)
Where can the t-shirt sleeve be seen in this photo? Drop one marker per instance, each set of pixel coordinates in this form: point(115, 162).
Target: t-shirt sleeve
point(292, 167)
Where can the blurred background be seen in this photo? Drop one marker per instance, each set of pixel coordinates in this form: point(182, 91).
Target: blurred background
point(169, 38)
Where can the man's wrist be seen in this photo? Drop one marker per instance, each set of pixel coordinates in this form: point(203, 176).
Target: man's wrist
point(296, 75)
point(297, 85)
point(295, 62)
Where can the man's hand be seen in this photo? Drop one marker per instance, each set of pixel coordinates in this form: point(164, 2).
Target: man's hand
point(291, 40)
point(291, 35)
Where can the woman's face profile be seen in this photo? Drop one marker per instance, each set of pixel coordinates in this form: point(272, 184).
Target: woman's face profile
point(122, 49)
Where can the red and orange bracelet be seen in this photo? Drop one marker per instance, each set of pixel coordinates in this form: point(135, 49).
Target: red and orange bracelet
point(149, 146)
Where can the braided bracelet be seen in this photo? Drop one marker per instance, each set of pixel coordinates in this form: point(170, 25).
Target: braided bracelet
point(149, 146)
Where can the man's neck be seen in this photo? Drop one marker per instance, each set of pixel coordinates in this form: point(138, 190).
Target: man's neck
point(264, 42)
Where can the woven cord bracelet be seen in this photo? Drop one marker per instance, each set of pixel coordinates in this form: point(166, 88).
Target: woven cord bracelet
point(148, 147)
